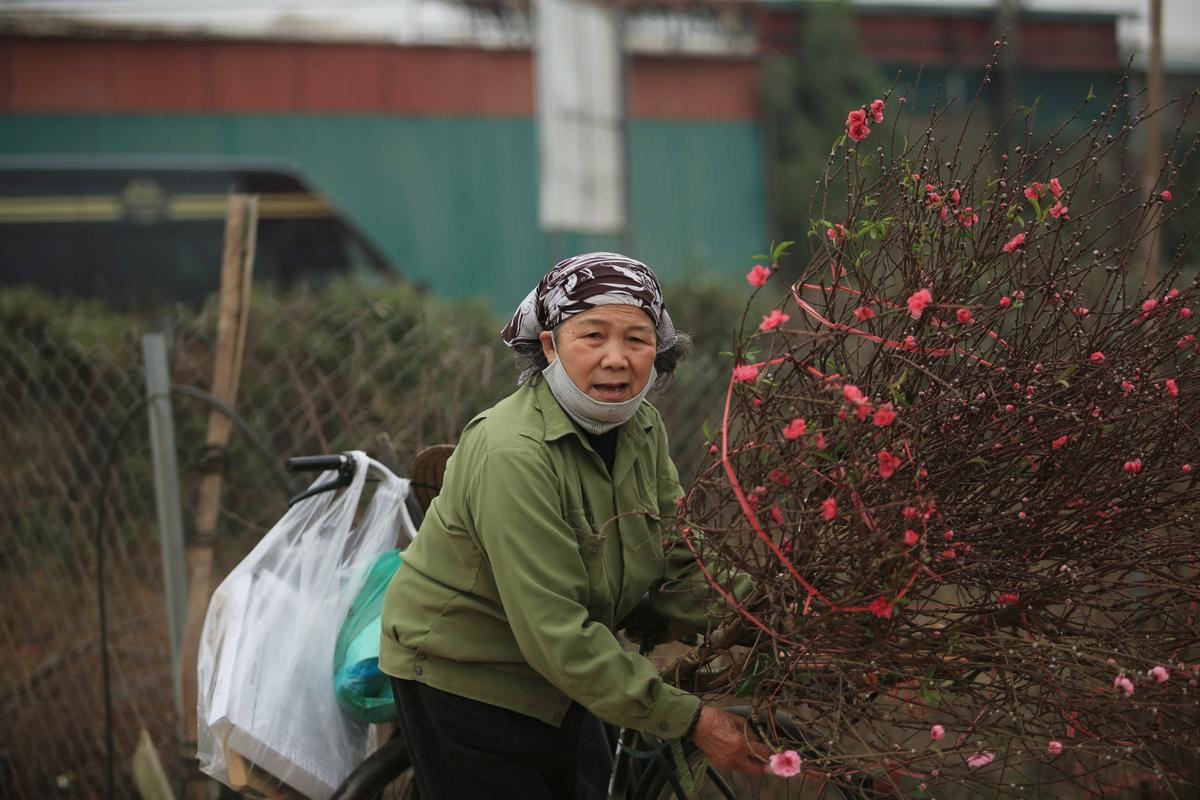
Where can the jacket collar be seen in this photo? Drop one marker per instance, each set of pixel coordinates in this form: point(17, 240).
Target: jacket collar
point(558, 424)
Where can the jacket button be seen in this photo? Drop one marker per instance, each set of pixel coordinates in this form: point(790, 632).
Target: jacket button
point(595, 550)
point(417, 670)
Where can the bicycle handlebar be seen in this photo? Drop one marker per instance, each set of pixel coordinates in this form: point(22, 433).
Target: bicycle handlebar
point(317, 463)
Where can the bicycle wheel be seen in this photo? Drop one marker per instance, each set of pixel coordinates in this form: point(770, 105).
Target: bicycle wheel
point(718, 784)
point(383, 775)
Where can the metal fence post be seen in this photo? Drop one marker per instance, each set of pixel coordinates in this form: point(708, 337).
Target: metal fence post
point(166, 497)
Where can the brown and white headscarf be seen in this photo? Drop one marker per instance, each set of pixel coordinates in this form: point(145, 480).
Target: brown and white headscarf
point(582, 283)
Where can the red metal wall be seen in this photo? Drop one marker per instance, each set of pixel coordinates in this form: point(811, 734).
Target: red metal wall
point(212, 76)
point(1044, 43)
point(197, 76)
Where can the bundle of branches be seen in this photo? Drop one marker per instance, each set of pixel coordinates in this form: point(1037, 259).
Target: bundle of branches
point(959, 460)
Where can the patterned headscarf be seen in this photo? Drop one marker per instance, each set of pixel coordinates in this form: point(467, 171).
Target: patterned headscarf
point(585, 282)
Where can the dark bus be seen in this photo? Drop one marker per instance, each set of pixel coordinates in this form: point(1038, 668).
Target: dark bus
point(137, 233)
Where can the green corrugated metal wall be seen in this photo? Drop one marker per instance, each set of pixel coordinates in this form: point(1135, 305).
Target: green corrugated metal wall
point(453, 201)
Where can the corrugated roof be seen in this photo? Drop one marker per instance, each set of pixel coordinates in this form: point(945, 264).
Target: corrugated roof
point(701, 27)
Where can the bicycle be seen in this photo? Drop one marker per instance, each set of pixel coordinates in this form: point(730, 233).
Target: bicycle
point(643, 767)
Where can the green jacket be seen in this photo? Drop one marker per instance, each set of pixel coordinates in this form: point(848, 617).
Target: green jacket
point(531, 555)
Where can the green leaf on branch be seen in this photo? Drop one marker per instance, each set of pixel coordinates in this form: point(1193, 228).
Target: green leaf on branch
point(746, 687)
point(781, 250)
point(898, 396)
point(1037, 209)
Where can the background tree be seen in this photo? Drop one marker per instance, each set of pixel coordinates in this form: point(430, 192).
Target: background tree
point(805, 96)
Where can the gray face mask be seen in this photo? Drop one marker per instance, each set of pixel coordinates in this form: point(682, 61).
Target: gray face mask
point(591, 414)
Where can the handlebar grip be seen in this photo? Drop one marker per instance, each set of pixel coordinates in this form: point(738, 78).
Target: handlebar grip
point(317, 463)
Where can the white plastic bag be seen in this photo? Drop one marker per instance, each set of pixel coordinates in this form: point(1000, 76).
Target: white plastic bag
point(266, 651)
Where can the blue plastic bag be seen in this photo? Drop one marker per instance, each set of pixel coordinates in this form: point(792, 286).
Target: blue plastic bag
point(362, 690)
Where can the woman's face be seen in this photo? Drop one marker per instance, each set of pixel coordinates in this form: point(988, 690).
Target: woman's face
point(606, 351)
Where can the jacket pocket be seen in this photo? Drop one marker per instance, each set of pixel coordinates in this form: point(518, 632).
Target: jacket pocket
point(592, 551)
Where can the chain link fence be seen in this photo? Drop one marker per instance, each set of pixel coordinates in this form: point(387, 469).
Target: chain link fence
point(323, 372)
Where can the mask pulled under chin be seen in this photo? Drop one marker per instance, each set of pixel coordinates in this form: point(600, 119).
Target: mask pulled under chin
point(591, 414)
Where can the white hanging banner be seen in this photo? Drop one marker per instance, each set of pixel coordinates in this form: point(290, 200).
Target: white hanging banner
point(580, 109)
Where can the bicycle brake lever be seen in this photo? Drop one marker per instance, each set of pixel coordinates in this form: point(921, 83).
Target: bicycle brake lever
point(344, 477)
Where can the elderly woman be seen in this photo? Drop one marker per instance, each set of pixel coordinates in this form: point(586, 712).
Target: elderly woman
point(549, 529)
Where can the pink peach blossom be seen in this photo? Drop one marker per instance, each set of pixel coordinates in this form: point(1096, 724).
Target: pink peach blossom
point(829, 508)
point(1013, 243)
point(888, 463)
point(917, 302)
point(773, 320)
point(758, 276)
point(745, 373)
point(1160, 674)
point(795, 429)
point(785, 764)
point(937, 733)
point(881, 607)
point(980, 760)
point(1054, 747)
point(884, 416)
point(853, 394)
point(858, 132)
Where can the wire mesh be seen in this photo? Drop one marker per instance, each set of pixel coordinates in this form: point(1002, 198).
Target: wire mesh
point(323, 372)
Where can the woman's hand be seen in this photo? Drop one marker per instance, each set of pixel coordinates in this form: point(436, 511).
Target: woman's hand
point(728, 743)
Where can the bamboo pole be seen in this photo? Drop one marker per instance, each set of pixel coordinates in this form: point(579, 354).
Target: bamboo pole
point(237, 261)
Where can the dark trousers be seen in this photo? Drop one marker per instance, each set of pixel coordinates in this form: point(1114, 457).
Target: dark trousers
point(462, 748)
